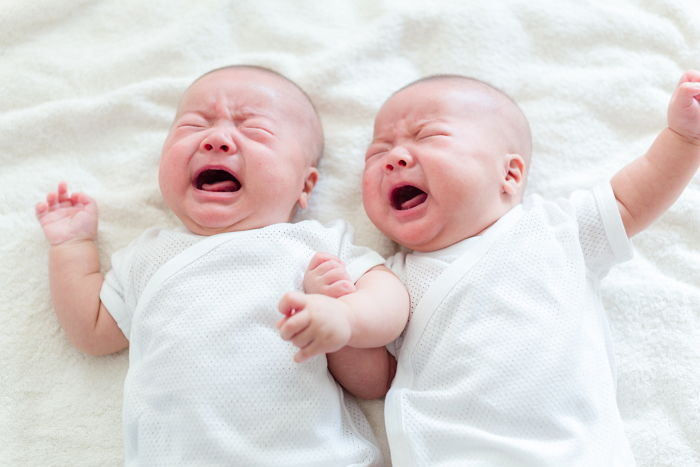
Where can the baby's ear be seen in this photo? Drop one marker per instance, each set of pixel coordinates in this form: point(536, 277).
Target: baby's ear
point(514, 174)
point(309, 184)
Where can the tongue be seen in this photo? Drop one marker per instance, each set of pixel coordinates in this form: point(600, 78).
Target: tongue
point(413, 202)
point(226, 185)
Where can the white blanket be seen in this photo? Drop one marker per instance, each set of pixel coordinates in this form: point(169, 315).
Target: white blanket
point(87, 91)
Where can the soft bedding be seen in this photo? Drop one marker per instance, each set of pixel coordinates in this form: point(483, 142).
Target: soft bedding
point(87, 91)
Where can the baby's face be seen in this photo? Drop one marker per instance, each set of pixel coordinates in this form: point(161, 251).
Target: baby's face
point(236, 156)
point(434, 169)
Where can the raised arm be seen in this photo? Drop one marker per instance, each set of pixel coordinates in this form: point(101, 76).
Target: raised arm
point(648, 186)
point(70, 226)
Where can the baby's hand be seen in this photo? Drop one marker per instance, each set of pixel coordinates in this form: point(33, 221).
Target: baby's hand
point(684, 108)
point(67, 218)
point(315, 323)
point(326, 275)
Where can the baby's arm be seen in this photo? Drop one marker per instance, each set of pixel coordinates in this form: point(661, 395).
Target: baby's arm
point(648, 186)
point(365, 373)
point(371, 316)
point(70, 226)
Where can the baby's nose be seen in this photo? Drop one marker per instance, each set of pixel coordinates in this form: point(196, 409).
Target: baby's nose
point(398, 157)
point(218, 142)
point(222, 147)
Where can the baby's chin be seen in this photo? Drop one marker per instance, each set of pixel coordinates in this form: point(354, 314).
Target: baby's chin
point(220, 220)
point(211, 221)
point(424, 240)
point(416, 240)
point(206, 228)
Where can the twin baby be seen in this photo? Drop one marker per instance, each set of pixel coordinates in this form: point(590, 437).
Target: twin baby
point(505, 358)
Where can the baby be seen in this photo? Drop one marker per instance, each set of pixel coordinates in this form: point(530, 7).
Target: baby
point(507, 357)
point(210, 381)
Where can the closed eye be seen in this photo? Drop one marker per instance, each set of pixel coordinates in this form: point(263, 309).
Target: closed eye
point(257, 133)
point(371, 155)
point(255, 127)
point(430, 130)
point(430, 134)
point(375, 150)
point(192, 123)
point(258, 129)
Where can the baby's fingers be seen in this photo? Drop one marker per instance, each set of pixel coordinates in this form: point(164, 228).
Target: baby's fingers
point(291, 327)
point(314, 346)
point(81, 199)
point(306, 353)
point(63, 192)
point(76, 199)
point(55, 201)
point(689, 76)
point(334, 266)
point(40, 209)
point(52, 199)
point(339, 288)
point(335, 274)
point(291, 302)
point(304, 339)
point(688, 91)
point(61, 198)
point(320, 258)
point(310, 345)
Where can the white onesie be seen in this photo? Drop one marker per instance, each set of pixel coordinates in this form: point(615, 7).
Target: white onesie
point(506, 360)
point(210, 380)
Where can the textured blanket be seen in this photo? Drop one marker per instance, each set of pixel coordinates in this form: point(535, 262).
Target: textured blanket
point(88, 89)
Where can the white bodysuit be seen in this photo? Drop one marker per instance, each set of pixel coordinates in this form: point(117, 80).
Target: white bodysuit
point(210, 381)
point(506, 360)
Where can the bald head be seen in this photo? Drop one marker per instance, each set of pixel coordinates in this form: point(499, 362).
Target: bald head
point(486, 100)
point(309, 119)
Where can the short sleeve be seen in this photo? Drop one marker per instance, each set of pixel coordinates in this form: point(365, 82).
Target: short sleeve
point(358, 259)
point(397, 264)
point(604, 241)
point(114, 289)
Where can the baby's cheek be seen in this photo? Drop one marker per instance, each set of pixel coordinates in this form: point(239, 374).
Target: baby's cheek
point(374, 206)
point(370, 188)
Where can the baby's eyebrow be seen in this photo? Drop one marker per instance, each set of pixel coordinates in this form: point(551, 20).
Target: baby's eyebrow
point(236, 114)
point(380, 140)
point(246, 113)
point(411, 127)
point(192, 112)
point(262, 115)
point(385, 135)
point(419, 124)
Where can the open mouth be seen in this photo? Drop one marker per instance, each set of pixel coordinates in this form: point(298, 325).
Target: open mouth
point(407, 197)
point(217, 180)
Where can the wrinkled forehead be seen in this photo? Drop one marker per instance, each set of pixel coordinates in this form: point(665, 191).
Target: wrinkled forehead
point(430, 101)
point(243, 90)
point(452, 100)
